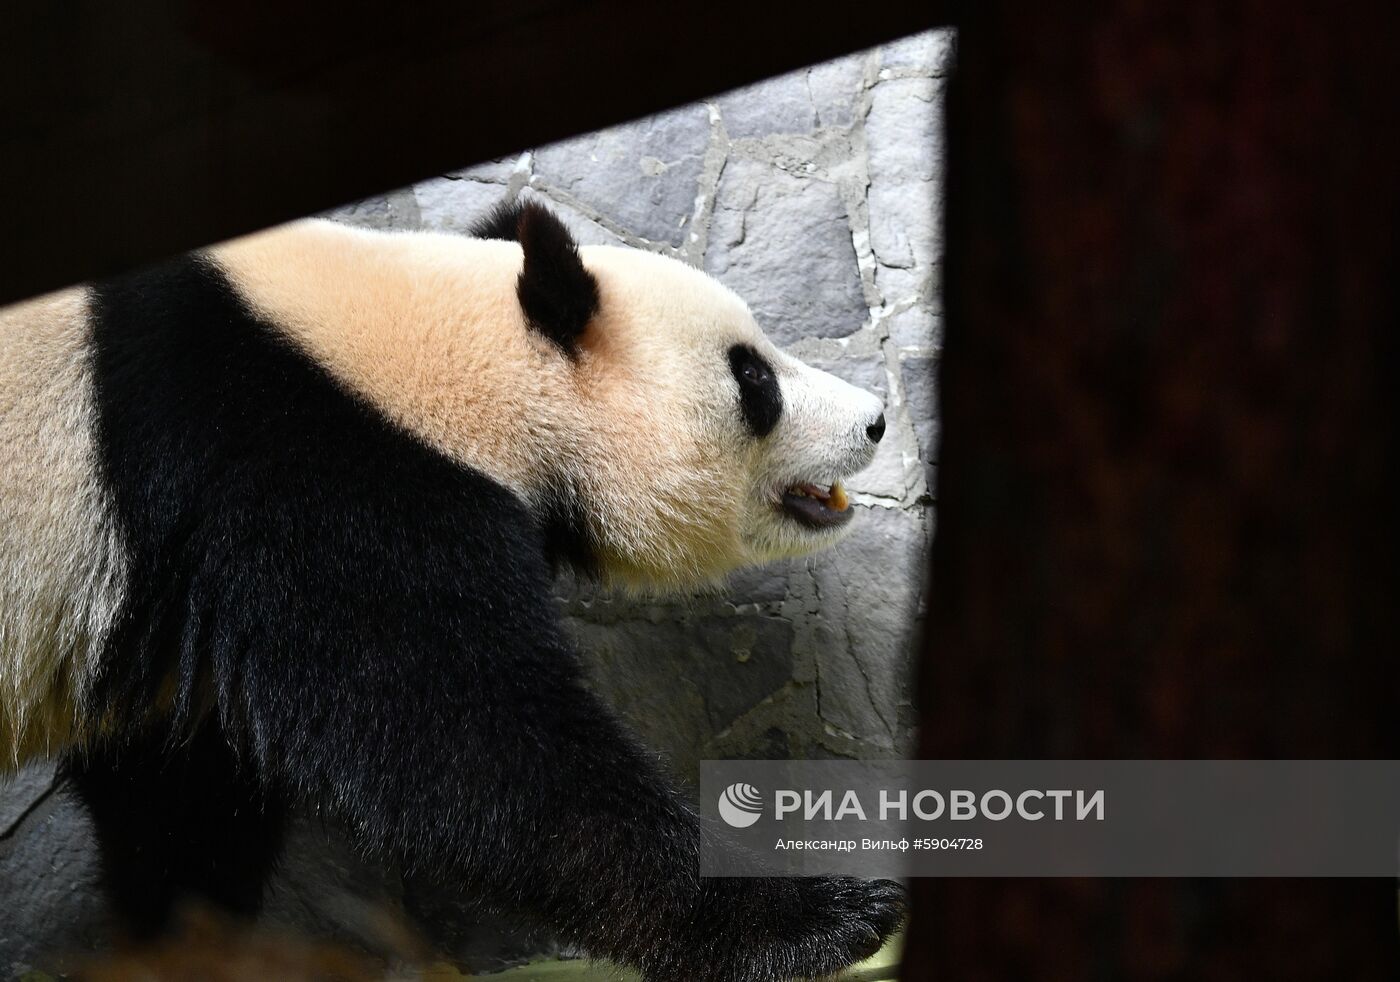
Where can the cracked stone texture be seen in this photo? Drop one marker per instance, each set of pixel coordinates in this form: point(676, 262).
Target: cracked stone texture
point(915, 327)
point(867, 593)
point(446, 204)
point(779, 105)
point(927, 54)
point(644, 175)
point(904, 139)
point(920, 374)
point(816, 196)
point(783, 242)
point(48, 875)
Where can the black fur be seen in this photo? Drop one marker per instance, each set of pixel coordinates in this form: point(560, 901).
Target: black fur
point(503, 222)
point(373, 628)
point(558, 295)
point(567, 541)
point(760, 396)
point(176, 822)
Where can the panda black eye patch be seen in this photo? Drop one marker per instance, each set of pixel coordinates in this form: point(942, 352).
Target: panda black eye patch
point(760, 397)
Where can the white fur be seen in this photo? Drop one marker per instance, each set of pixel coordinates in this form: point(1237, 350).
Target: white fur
point(820, 439)
point(671, 326)
point(62, 569)
point(644, 424)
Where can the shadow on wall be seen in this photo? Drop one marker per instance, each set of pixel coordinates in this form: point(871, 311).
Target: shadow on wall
point(815, 196)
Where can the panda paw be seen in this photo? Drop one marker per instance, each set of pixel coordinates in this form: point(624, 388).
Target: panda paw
point(778, 930)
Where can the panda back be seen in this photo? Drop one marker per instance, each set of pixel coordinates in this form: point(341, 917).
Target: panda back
point(62, 563)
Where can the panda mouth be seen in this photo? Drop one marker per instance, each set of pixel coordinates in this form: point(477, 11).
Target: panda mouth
point(815, 507)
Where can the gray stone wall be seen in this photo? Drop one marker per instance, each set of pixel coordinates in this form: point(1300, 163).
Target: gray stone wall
point(813, 195)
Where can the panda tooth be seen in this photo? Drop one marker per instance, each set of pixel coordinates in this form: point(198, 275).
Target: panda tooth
point(838, 500)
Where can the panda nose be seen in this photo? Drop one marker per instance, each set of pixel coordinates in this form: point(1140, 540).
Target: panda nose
point(876, 429)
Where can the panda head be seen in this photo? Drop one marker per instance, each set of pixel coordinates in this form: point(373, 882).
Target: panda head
point(687, 445)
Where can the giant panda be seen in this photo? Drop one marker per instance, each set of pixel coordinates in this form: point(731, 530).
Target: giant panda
point(278, 526)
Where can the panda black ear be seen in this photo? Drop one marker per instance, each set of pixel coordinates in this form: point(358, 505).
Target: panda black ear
point(557, 294)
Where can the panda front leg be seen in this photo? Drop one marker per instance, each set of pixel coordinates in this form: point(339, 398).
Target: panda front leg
point(176, 822)
point(546, 808)
point(394, 655)
point(610, 861)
